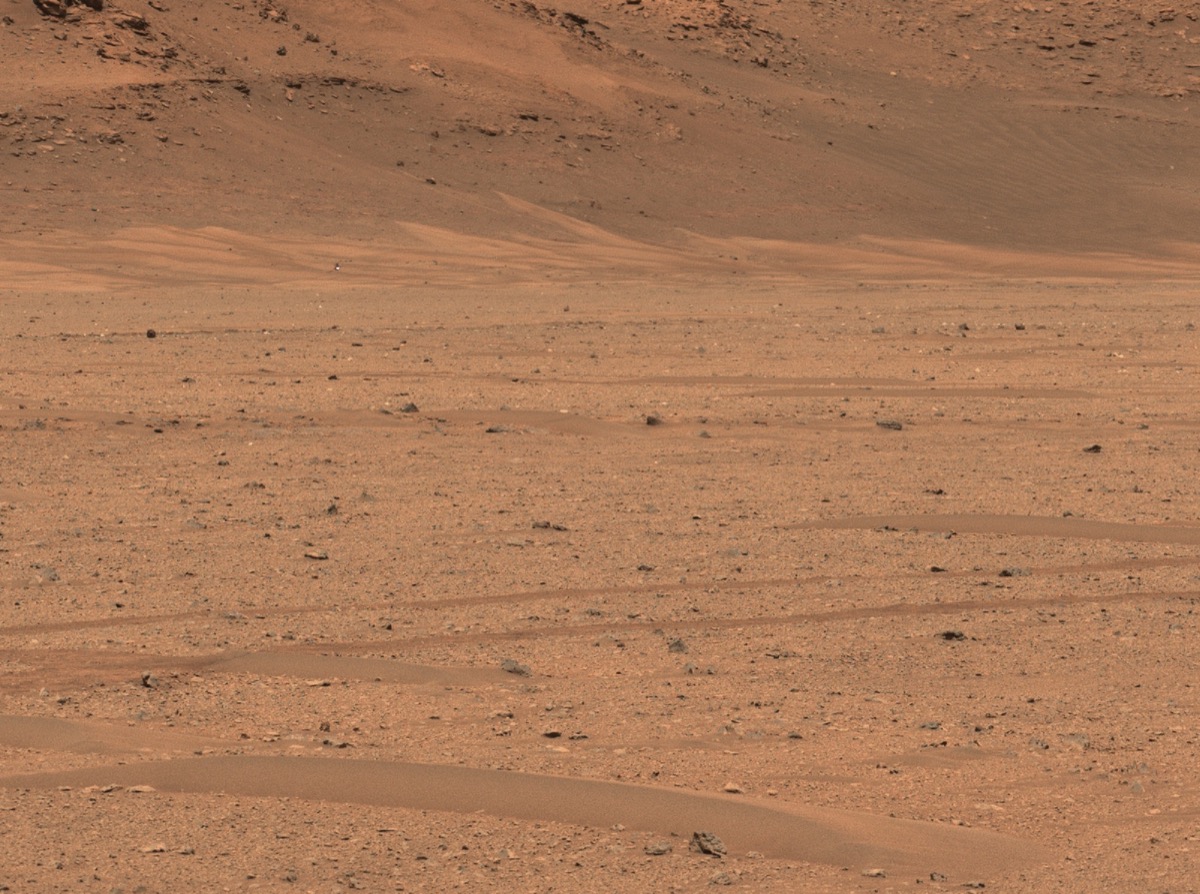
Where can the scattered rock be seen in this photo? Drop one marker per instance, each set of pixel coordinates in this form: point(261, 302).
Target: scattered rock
point(133, 22)
point(658, 848)
point(409, 407)
point(149, 680)
point(733, 788)
point(874, 873)
point(952, 635)
point(150, 333)
point(318, 555)
point(509, 666)
point(677, 645)
point(1080, 740)
point(1095, 448)
point(721, 878)
point(1013, 571)
point(552, 734)
point(56, 8)
point(890, 424)
point(707, 843)
point(654, 419)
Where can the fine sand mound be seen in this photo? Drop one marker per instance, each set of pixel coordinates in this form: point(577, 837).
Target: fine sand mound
point(827, 836)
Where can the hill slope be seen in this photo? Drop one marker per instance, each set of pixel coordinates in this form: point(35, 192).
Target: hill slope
point(1004, 128)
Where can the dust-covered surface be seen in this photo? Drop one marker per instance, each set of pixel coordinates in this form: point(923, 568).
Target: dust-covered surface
point(482, 446)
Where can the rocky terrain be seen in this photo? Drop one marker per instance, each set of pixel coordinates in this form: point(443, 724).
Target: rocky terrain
point(633, 446)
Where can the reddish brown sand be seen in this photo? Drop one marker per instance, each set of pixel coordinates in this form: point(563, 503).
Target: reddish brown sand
point(568, 430)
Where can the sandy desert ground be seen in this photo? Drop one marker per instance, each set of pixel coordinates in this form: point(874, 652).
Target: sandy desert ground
point(487, 446)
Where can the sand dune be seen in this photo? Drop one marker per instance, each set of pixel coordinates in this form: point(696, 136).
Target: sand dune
point(1026, 526)
point(314, 666)
point(74, 666)
point(827, 836)
point(84, 737)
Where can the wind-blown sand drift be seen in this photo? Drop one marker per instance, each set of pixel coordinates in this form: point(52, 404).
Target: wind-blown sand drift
point(1023, 526)
point(824, 836)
